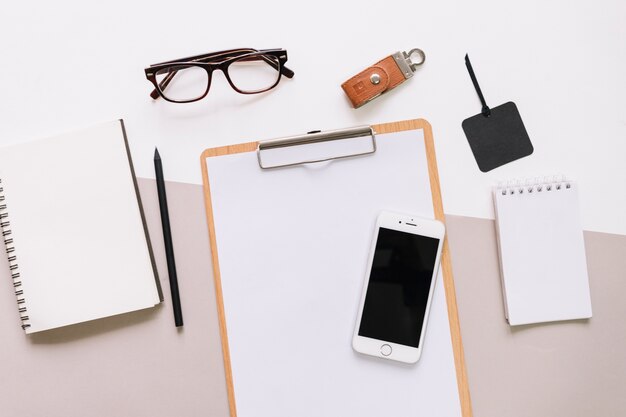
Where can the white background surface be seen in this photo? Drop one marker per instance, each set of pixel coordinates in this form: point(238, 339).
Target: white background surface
point(291, 300)
point(68, 64)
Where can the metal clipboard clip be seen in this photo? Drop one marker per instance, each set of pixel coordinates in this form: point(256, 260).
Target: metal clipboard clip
point(364, 144)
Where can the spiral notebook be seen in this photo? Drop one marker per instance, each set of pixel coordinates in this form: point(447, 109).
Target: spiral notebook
point(542, 252)
point(73, 228)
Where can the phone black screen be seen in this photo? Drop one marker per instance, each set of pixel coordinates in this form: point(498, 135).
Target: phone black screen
point(399, 282)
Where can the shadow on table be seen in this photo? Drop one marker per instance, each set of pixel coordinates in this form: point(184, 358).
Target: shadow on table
point(93, 328)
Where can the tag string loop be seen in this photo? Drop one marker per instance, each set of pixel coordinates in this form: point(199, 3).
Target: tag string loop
point(486, 111)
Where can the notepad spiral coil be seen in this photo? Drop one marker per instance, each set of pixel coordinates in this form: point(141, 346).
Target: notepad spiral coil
point(5, 226)
point(535, 185)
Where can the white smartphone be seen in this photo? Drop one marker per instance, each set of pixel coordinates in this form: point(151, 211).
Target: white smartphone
point(401, 272)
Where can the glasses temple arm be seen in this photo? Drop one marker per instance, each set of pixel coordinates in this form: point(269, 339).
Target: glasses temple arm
point(284, 71)
point(287, 72)
point(163, 84)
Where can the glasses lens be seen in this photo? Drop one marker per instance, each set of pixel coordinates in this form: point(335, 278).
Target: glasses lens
point(255, 73)
point(183, 82)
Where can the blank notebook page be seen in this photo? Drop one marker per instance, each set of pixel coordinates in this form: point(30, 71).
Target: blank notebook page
point(542, 253)
point(78, 232)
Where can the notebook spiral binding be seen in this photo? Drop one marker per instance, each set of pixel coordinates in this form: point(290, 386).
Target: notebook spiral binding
point(536, 185)
point(5, 226)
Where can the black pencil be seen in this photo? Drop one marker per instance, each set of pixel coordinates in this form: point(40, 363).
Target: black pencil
point(167, 238)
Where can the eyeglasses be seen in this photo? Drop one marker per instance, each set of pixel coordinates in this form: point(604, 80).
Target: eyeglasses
point(248, 71)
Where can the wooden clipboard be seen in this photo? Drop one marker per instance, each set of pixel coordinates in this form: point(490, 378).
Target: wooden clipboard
point(455, 333)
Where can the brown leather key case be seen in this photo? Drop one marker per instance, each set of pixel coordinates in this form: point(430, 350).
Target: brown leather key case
point(381, 77)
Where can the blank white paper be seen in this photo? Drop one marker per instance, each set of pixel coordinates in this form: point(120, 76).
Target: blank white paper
point(542, 254)
point(292, 245)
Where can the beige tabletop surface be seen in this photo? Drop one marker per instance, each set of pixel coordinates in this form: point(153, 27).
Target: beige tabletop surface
point(139, 364)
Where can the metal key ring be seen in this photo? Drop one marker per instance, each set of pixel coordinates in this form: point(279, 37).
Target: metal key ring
point(408, 56)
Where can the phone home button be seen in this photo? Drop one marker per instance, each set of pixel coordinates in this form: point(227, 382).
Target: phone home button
point(385, 350)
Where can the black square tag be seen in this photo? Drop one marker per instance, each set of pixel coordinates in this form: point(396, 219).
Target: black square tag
point(498, 138)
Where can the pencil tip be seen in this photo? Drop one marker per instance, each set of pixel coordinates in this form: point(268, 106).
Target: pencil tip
point(156, 153)
point(466, 57)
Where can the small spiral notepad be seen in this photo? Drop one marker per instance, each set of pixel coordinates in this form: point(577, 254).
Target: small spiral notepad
point(542, 251)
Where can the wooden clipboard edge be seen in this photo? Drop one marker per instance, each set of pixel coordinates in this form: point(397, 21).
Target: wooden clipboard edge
point(224, 150)
point(446, 264)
